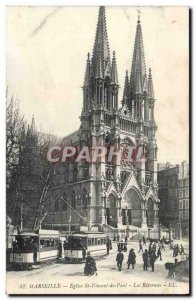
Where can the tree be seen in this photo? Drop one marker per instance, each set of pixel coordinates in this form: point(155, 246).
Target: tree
point(14, 128)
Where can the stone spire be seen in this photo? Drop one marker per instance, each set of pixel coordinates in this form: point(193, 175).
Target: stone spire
point(138, 68)
point(32, 127)
point(126, 89)
point(88, 71)
point(114, 73)
point(150, 85)
point(101, 54)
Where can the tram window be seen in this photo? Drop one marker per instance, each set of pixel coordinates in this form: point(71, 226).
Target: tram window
point(56, 242)
point(95, 241)
point(47, 243)
point(102, 241)
point(51, 242)
point(99, 241)
point(89, 242)
point(42, 243)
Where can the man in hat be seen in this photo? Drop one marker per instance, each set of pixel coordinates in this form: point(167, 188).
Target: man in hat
point(145, 260)
point(119, 260)
point(131, 258)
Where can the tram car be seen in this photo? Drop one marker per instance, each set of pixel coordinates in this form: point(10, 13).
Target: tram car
point(79, 243)
point(31, 248)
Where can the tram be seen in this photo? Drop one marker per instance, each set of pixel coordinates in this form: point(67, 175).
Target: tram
point(35, 248)
point(79, 243)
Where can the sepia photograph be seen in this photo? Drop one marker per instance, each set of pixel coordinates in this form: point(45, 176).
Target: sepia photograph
point(97, 150)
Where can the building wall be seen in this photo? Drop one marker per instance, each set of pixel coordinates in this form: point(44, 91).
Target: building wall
point(173, 187)
point(183, 197)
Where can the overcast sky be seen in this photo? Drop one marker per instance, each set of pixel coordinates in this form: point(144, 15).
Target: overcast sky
point(46, 57)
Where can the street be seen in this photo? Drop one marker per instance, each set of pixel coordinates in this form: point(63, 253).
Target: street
point(61, 278)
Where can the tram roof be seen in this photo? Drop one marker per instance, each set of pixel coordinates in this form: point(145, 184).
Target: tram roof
point(84, 233)
point(26, 234)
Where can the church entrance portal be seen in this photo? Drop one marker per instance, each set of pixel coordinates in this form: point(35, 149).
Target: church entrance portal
point(133, 214)
point(111, 211)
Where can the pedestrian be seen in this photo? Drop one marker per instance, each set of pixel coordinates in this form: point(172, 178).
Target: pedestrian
point(90, 265)
point(126, 238)
point(125, 247)
point(121, 245)
point(152, 259)
point(182, 250)
point(145, 260)
point(154, 247)
point(144, 240)
point(119, 260)
point(176, 252)
point(114, 238)
point(150, 248)
point(163, 245)
point(118, 237)
point(131, 259)
point(108, 246)
point(159, 253)
point(140, 246)
point(171, 246)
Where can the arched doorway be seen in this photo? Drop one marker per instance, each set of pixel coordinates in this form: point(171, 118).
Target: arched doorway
point(150, 213)
point(134, 213)
point(111, 211)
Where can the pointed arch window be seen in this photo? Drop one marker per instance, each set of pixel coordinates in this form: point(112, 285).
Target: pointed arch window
point(84, 199)
point(73, 200)
point(64, 204)
point(57, 205)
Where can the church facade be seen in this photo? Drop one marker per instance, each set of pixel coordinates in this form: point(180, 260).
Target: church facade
point(117, 193)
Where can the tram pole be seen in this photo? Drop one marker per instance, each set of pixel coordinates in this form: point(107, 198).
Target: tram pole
point(21, 217)
point(69, 226)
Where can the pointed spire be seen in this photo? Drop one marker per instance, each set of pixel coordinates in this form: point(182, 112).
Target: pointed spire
point(88, 71)
point(150, 85)
point(138, 62)
point(101, 52)
point(126, 89)
point(32, 127)
point(114, 74)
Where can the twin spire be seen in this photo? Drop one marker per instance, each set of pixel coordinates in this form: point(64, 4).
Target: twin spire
point(100, 65)
point(138, 83)
point(138, 78)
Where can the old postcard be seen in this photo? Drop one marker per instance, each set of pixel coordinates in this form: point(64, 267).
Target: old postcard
point(97, 150)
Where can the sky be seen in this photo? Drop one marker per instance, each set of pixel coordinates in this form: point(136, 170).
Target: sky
point(46, 52)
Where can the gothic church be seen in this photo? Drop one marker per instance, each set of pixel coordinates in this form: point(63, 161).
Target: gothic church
point(116, 194)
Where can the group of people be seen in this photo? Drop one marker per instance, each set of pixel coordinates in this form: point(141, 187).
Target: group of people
point(149, 255)
point(122, 246)
point(131, 259)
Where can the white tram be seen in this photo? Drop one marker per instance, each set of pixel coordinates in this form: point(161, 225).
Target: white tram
point(33, 248)
point(79, 243)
